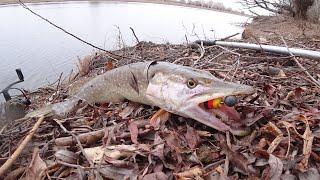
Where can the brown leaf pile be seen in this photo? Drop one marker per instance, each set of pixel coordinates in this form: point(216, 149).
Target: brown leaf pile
point(122, 141)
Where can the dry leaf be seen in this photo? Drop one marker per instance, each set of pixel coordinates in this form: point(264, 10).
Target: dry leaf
point(295, 94)
point(263, 40)
point(288, 177)
point(66, 156)
point(155, 176)
point(159, 118)
point(84, 65)
point(15, 174)
point(311, 174)
point(174, 142)
point(111, 172)
point(237, 159)
point(190, 173)
point(272, 71)
point(96, 154)
point(307, 146)
point(134, 131)
point(128, 110)
point(275, 144)
point(159, 149)
point(204, 133)
point(192, 137)
point(270, 89)
point(108, 65)
point(273, 129)
point(282, 74)
point(108, 134)
point(36, 168)
point(276, 167)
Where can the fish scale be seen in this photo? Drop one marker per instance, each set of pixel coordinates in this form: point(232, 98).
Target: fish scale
point(161, 84)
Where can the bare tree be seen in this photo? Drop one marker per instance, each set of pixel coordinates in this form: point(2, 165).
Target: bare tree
point(301, 8)
point(296, 8)
point(264, 4)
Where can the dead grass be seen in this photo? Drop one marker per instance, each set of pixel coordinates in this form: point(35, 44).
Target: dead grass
point(84, 65)
point(271, 28)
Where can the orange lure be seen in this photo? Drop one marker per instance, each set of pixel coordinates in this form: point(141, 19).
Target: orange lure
point(216, 103)
point(213, 104)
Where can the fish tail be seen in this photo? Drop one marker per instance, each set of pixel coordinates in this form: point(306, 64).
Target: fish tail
point(57, 109)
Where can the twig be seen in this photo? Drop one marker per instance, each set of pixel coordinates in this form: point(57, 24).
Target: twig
point(226, 163)
point(183, 58)
point(70, 165)
point(289, 137)
point(59, 81)
point(236, 64)
point(120, 39)
point(77, 139)
point(314, 81)
point(204, 34)
point(213, 165)
point(3, 128)
point(110, 54)
point(186, 37)
point(18, 151)
point(134, 34)
point(66, 141)
point(70, 75)
point(226, 166)
point(228, 37)
point(15, 174)
point(202, 51)
point(216, 56)
point(260, 45)
point(228, 50)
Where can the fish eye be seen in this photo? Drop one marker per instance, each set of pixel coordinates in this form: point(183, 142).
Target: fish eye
point(191, 83)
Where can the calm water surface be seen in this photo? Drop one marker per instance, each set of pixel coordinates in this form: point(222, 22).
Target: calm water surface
point(43, 52)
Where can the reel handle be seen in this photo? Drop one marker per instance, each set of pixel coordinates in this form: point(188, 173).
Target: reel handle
point(20, 75)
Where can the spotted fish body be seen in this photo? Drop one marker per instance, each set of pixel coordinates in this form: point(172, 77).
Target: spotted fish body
point(159, 84)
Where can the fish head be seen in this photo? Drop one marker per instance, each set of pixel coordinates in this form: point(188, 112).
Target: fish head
point(182, 90)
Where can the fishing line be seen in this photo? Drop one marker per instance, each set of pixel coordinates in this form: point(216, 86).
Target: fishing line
point(109, 54)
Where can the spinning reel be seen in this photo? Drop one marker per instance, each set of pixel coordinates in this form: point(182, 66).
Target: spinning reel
point(5, 91)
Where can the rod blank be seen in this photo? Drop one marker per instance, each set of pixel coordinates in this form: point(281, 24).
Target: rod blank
point(268, 48)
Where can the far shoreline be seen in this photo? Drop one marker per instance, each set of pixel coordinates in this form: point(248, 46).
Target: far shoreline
point(15, 2)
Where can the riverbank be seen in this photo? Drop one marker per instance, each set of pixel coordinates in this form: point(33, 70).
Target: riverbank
point(283, 117)
point(13, 2)
point(120, 140)
point(270, 29)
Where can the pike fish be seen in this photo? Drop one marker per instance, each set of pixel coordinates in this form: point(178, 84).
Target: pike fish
point(175, 88)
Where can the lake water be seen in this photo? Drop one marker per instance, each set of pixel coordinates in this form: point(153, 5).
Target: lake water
point(43, 52)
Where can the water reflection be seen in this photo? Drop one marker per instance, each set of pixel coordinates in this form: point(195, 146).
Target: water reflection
point(43, 52)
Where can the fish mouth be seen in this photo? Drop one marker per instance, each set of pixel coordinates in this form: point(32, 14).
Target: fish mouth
point(215, 117)
point(207, 116)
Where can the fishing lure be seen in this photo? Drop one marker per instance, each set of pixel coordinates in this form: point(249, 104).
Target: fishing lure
point(216, 103)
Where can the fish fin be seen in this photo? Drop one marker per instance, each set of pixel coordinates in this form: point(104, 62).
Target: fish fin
point(146, 69)
point(134, 82)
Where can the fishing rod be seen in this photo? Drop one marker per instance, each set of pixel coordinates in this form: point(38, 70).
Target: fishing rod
point(268, 48)
point(5, 91)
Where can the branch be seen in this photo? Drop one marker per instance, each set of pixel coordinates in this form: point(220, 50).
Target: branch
point(314, 81)
point(134, 34)
point(23, 144)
